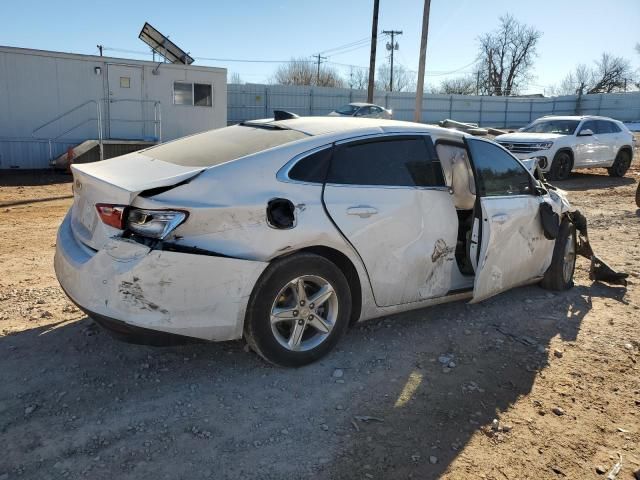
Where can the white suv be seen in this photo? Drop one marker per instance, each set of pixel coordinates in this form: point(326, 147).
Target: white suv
point(563, 143)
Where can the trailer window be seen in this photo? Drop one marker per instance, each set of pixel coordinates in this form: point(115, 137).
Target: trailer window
point(194, 94)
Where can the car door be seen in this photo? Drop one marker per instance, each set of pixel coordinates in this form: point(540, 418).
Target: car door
point(591, 148)
point(513, 248)
point(386, 195)
point(607, 132)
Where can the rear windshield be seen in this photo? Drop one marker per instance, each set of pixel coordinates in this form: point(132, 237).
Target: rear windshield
point(563, 127)
point(222, 145)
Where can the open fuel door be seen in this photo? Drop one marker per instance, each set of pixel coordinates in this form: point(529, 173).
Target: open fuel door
point(512, 249)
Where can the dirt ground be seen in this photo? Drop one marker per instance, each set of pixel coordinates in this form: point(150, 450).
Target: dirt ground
point(540, 385)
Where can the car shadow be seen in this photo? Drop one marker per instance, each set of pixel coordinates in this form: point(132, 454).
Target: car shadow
point(588, 180)
point(75, 400)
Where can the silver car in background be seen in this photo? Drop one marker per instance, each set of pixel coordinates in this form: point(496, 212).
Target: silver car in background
point(365, 110)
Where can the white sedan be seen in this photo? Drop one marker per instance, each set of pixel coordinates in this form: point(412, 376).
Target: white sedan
point(284, 232)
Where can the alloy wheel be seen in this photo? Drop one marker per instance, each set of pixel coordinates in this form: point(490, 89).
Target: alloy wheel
point(304, 313)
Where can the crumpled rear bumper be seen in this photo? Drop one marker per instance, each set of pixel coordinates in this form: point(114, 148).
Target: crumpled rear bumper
point(185, 294)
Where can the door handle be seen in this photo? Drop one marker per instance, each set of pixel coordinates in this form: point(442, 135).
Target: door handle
point(500, 218)
point(363, 211)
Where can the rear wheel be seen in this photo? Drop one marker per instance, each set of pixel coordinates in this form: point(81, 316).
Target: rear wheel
point(299, 309)
point(620, 165)
point(638, 196)
point(559, 275)
point(561, 166)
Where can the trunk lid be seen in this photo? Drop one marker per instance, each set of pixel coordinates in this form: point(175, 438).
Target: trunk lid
point(117, 181)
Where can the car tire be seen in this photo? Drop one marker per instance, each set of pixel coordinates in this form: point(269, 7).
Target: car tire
point(638, 195)
point(561, 166)
point(282, 323)
point(620, 165)
point(559, 275)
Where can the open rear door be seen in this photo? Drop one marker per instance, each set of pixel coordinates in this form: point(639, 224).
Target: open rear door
point(513, 248)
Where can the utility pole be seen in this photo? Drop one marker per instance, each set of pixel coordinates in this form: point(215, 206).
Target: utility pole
point(372, 57)
point(100, 49)
point(392, 47)
point(320, 58)
point(478, 82)
point(417, 115)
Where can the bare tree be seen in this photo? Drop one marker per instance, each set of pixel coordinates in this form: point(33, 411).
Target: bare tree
point(460, 85)
point(299, 71)
point(234, 77)
point(610, 74)
point(359, 78)
point(506, 56)
point(403, 79)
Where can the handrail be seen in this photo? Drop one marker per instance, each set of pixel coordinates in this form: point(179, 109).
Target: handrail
point(157, 121)
point(62, 115)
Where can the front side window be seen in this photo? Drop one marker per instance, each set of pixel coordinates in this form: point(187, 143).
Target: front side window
point(194, 94)
point(589, 125)
point(394, 161)
point(562, 127)
point(499, 174)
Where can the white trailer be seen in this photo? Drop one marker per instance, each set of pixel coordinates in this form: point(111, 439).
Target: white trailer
point(51, 102)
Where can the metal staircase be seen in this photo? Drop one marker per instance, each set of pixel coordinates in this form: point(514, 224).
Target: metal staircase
point(102, 146)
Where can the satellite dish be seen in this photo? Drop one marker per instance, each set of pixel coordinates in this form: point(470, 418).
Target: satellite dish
point(164, 47)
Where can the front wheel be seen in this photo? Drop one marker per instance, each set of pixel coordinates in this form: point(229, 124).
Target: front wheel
point(559, 275)
point(561, 166)
point(620, 165)
point(298, 310)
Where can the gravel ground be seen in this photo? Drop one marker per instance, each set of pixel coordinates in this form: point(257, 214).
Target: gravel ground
point(529, 384)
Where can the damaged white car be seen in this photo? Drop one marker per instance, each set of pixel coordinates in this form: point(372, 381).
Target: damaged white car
point(285, 231)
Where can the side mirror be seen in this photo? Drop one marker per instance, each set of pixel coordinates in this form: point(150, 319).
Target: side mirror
point(587, 132)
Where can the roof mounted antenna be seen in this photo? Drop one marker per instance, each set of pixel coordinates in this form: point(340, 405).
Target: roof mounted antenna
point(283, 115)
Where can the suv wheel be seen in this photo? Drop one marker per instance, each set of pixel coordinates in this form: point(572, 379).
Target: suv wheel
point(298, 310)
point(620, 165)
point(561, 166)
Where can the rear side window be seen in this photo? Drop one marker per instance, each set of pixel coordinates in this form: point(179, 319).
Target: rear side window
point(221, 145)
point(312, 168)
point(398, 161)
point(499, 174)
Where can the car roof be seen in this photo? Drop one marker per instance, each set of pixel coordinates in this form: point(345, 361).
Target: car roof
point(575, 117)
point(363, 104)
point(327, 125)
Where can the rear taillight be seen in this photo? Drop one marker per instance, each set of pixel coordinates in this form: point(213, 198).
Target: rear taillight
point(154, 223)
point(112, 215)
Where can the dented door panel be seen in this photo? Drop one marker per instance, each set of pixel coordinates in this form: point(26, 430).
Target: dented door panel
point(513, 249)
point(406, 238)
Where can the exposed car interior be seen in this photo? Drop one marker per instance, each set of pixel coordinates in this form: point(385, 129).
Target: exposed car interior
point(459, 177)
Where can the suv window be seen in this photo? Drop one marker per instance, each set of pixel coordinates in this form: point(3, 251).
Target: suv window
point(392, 161)
point(589, 125)
point(614, 127)
point(312, 168)
point(603, 127)
point(498, 172)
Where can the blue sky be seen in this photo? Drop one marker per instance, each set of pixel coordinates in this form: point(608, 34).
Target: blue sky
point(574, 31)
